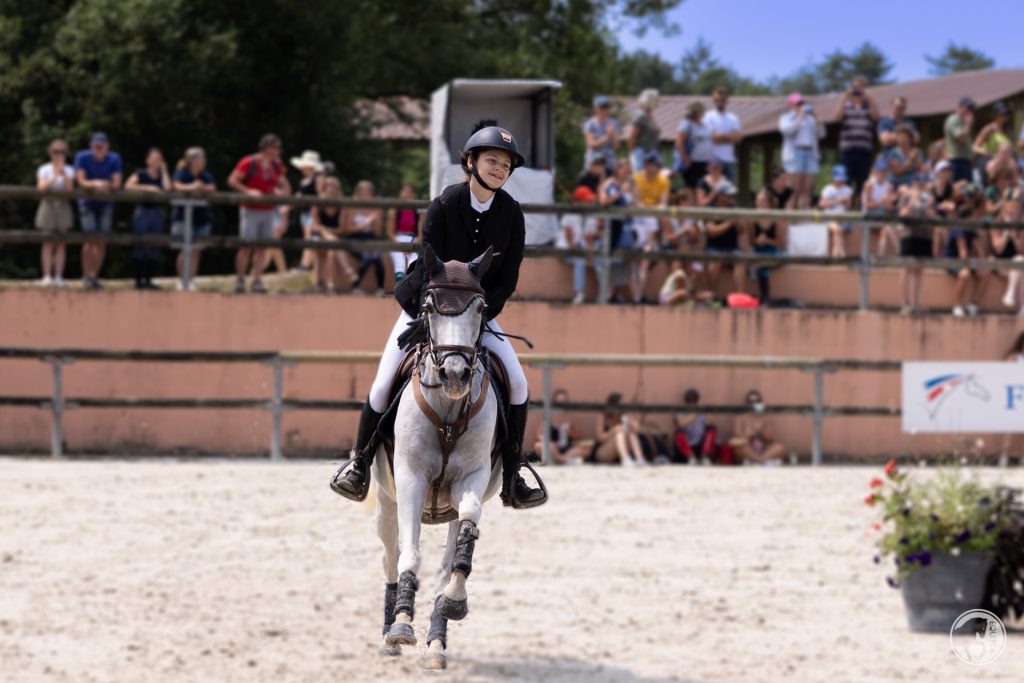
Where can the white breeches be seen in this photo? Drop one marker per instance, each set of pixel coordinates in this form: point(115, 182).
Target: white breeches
point(392, 358)
point(401, 260)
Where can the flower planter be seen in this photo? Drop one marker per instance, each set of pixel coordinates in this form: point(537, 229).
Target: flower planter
point(937, 594)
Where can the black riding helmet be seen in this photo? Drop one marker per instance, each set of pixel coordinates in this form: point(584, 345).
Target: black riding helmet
point(491, 137)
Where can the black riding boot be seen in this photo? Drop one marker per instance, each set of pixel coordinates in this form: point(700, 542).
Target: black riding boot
point(352, 479)
point(514, 491)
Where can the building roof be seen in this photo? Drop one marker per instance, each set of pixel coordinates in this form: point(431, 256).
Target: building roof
point(408, 119)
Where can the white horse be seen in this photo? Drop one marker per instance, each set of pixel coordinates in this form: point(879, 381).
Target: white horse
point(445, 431)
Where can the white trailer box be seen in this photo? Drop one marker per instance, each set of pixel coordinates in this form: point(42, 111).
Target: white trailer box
point(525, 108)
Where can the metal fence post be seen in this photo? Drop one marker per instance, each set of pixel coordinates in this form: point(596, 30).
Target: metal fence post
point(546, 437)
point(276, 409)
point(865, 265)
point(604, 292)
point(819, 414)
point(57, 407)
point(186, 254)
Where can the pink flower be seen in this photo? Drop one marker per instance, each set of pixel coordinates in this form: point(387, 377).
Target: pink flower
point(890, 468)
point(870, 500)
point(876, 482)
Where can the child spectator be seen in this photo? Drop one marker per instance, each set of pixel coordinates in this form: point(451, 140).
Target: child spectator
point(258, 175)
point(54, 216)
point(579, 231)
point(601, 135)
point(903, 158)
point(191, 176)
point(693, 434)
point(723, 237)
point(836, 198)
point(801, 131)
point(644, 133)
point(964, 244)
point(754, 441)
point(404, 227)
point(879, 199)
point(693, 148)
point(99, 170)
point(617, 437)
point(362, 223)
point(326, 224)
point(767, 237)
point(148, 219)
point(311, 185)
point(915, 201)
point(566, 446)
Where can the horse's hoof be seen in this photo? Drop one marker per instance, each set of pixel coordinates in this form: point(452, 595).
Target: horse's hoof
point(434, 661)
point(387, 650)
point(400, 634)
point(452, 610)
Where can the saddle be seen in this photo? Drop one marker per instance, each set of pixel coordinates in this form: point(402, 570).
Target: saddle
point(436, 512)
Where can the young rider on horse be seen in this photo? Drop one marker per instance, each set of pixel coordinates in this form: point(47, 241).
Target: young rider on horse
point(460, 225)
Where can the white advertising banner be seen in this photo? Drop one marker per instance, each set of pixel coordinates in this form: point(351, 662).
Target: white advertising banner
point(963, 397)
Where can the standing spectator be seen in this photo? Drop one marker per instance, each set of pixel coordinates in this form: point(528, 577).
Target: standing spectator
point(836, 198)
point(567, 447)
point(915, 201)
point(148, 218)
point(311, 185)
point(898, 116)
point(694, 436)
point(767, 237)
point(693, 147)
point(616, 436)
point(601, 134)
point(856, 114)
point(652, 190)
point(754, 439)
point(191, 176)
point(991, 138)
point(644, 133)
point(257, 175)
point(903, 158)
point(723, 237)
point(363, 223)
point(580, 232)
point(403, 226)
point(801, 131)
point(326, 223)
point(54, 216)
point(957, 133)
point(99, 170)
point(879, 199)
point(725, 131)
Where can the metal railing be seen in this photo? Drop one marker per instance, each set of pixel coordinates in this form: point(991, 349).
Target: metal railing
point(277, 404)
point(864, 262)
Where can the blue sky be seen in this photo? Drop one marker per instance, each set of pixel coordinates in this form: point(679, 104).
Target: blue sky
point(762, 38)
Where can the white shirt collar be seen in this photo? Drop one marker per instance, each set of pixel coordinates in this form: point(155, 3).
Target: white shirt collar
point(478, 205)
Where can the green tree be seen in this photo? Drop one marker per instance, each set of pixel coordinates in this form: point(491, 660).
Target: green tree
point(958, 58)
point(836, 70)
point(700, 72)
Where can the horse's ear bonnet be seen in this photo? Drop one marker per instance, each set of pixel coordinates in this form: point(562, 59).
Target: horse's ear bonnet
point(454, 287)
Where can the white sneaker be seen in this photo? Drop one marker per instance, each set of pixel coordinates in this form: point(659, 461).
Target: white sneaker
point(578, 299)
point(972, 309)
point(47, 281)
point(192, 286)
point(180, 286)
point(959, 312)
point(1009, 300)
point(906, 310)
point(58, 281)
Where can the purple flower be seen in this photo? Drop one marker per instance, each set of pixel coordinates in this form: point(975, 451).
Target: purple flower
point(876, 559)
point(906, 512)
point(925, 557)
point(934, 517)
point(990, 526)
point(911, 558)
point(903, 540)
point(893, 583)
point(963, 537)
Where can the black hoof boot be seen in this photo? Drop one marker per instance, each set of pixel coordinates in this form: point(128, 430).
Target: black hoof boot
point(352, 479)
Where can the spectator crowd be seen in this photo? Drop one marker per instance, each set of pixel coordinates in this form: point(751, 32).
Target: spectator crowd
point(973, 173)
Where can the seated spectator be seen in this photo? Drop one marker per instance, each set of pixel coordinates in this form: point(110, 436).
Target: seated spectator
point(767, 237)
point(191, 176)
point(964, 244)
point(682, 235)
point(936, 154)
point(903, 158)
point(778, 189)
point(618, 190)
point(915, 201)
point(644, 133)
point(148, 219)
point(1009, 245)
point(580, 232)
point(723, 237)
point(616, 437)
point(886, 129)
point(754, 439)
point(694, 436)
point(404, 226)
point(362, 223)
point(707, 185)
point(880, 199)
point(945, 194)
point(652, 190)
point(594, 174)
point(97, 169)
point(54, 216)
point(326, 223)
point(566, 446)
point(801, 129)
point(693, 147)
point(677, 289)
point(1003, 161)
point(601, 135)
point(836, 198)
point(991, 138)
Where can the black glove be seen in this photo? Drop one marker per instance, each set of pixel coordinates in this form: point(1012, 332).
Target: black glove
point(415, 333)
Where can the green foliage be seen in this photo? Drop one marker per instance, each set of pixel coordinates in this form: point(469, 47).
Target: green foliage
point(958, 58)
point(834, 72)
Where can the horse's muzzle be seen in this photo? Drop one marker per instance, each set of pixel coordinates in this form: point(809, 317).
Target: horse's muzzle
point(455, 378)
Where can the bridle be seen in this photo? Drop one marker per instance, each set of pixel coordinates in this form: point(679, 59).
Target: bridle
point(439, 353)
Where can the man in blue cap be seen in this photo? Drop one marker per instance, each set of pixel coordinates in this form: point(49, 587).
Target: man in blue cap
point(601, 132)
point(99, 170)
